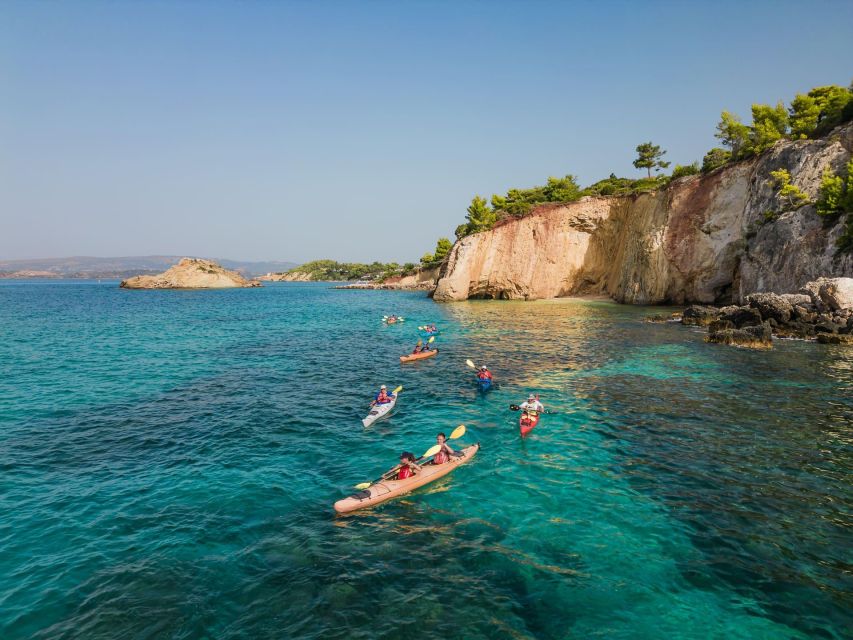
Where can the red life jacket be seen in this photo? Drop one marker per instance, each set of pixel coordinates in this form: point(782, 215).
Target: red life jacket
point(404, 472)
point(440, 457)
point(485, 375)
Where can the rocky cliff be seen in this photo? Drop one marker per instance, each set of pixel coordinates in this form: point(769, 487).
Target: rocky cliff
point(191, 273)
point(713, 238)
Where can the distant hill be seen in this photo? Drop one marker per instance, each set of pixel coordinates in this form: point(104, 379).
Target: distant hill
point(122, 267)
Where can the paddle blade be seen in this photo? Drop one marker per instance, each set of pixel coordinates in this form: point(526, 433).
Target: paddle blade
point(362, 485)
point(470, 364)
point(397, 390)
point(431, 451)
point(458, 432)
point(431, 340)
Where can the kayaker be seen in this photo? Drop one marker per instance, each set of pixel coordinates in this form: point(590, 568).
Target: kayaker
point(532, 404)
point(419, 347)
point(484, 373)
point(445, 452)
point(383, 397)
point(408, 466)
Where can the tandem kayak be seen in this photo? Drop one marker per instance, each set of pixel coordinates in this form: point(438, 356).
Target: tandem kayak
point(387, 489)
point(528, 421)
point(484, 384)
point(419, 356)
point(379, 411)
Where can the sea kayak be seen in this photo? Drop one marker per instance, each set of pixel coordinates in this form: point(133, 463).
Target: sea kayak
point(379, 411)
point(387, 489)
point(419, 356)
point(484, 384)
point(527, 422)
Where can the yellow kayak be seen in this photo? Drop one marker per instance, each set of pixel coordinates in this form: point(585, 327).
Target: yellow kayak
point(387, 489)
point(419, 356)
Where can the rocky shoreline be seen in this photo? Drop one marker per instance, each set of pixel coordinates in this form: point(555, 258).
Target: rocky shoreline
point(821, 311)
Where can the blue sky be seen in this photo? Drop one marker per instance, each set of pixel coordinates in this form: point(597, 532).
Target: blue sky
point(359, 131)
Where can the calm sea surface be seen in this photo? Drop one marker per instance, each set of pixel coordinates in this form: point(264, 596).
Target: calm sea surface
point(169, 461)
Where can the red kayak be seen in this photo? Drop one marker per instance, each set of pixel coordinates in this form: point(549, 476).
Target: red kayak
point(527, 422)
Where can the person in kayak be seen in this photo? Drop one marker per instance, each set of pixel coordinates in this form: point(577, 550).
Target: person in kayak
point(532, 404)
point(419, 347)
point(408, 466)
point(383, 397)
point(445, 452)
point(484, 373)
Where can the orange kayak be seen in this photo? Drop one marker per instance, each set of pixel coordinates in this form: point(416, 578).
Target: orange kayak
point(419, 356)
point(387, 489)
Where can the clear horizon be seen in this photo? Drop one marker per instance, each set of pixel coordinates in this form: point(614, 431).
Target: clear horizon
point(292, 132)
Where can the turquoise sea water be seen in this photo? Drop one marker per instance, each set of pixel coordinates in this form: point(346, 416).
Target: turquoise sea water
point(169, 460)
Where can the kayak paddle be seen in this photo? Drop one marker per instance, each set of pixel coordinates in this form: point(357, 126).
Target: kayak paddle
point(515, 407)
point(458, 432)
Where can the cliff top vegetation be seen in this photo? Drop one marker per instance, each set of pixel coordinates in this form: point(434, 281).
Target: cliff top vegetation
point(333, 270)
point(810, 115)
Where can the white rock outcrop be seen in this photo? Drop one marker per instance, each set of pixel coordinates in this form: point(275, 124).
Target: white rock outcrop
point(191, 273)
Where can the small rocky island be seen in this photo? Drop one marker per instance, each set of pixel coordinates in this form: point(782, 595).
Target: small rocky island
point(191, 273)
point(821, 311)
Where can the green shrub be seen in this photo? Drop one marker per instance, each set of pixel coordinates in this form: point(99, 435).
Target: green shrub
point(790, 192)
point(681, 171)
point(847, 196)
point(830, 194)
point(715, 159)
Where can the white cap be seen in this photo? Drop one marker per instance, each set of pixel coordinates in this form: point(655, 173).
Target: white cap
point(383, 387)
point(531, 397)
point(483, 367)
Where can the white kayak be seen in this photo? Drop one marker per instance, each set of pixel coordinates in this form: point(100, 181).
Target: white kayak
point(380, 411)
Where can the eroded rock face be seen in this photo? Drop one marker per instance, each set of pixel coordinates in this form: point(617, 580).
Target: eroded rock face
point(191, 273)
point(759, 337)
point(540, 256)
point(702, 240)
point(700, 316)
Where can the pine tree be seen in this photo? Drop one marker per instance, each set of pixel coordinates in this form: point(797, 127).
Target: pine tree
point(649, 157)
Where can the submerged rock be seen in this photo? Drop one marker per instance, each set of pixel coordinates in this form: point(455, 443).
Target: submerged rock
point(660, 318)
point(191, 273)
point(751, 337)
point(831, 338)
point(700, 316)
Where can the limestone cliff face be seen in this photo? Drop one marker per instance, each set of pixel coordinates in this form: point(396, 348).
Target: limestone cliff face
point(703, 239)
point(191, 273)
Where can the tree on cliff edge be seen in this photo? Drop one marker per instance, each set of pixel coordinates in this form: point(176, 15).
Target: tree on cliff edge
point(650, 157)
